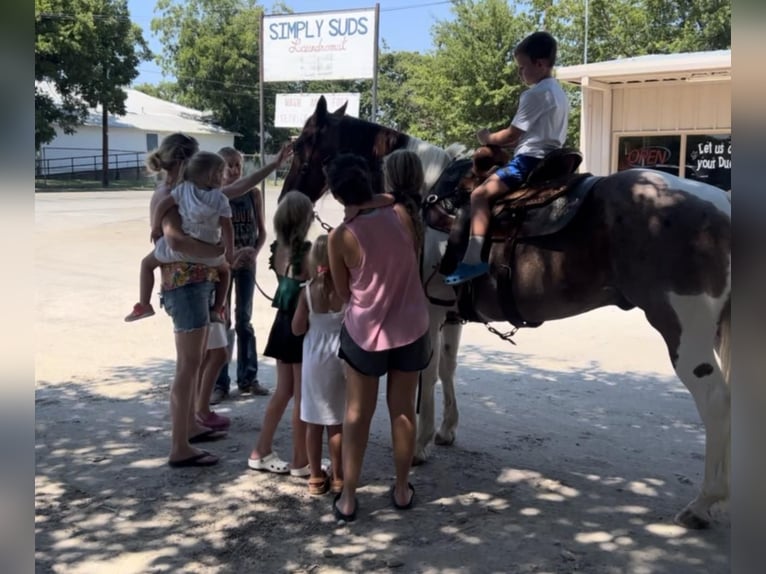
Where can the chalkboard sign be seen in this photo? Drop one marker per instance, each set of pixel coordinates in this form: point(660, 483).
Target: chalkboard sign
point(708, 159)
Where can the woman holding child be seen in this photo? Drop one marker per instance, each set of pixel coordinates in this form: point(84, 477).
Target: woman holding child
point(188, 287)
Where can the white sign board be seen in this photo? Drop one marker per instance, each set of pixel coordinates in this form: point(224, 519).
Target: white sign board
point(294, 109)
point(336, 45)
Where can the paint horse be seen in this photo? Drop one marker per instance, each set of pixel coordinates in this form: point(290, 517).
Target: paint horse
point(638, 238)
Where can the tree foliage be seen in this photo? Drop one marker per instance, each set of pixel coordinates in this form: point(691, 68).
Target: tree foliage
point(468, 81)
point(212, 48)
point(89, 50)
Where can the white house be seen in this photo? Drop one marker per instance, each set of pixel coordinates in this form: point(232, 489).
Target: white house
point(146, 121)
point(670, 112)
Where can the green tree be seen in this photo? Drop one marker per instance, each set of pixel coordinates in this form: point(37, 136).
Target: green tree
point(163, 90)
point(89, 50)
point(470, 80)
point(212, 48)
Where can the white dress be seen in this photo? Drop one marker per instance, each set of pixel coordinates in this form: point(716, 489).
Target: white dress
point(323, 386)
point(200, 212)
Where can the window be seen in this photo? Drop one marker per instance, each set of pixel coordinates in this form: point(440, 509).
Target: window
point(656, 152)
point(708, 159)
point(152, 141)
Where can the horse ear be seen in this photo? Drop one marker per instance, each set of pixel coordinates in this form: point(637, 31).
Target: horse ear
point(341, 111)
point(321, 110)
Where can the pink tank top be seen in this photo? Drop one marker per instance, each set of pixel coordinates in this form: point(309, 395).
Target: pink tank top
point(387, 308)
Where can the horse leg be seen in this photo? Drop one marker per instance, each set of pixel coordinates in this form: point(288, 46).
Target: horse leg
point(428, 378)
point(696, 365)
point(450, 339)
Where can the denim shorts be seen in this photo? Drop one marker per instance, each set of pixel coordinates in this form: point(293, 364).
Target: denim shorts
point(189, 306)
point(517, 170)
point(409, 358)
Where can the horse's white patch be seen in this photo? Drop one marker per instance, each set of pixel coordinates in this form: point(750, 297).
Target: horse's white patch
point(706, 192)
point(433, 158)
point(699, 316)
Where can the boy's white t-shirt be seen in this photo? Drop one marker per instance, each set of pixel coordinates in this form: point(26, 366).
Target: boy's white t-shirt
point(200, 212)
point(543, 115)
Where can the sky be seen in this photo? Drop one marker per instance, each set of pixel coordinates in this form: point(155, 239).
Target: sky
point(404, 24)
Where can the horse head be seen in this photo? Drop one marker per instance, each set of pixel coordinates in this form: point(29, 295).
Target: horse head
point(328, 134)
point(317, 143)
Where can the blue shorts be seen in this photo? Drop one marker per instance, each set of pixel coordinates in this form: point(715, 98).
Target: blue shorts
point(518, 169)
point(189, 306)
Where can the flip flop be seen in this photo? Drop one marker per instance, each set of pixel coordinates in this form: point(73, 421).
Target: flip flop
point(196, 460)
point(403, 506)
point(339, 515)
point(208, 436)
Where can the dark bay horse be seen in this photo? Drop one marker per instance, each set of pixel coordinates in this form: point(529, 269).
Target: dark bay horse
point(640, 238)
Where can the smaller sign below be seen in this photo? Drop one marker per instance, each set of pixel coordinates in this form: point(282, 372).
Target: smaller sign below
point(293, 110)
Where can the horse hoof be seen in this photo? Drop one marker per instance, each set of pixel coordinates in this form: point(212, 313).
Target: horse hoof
point(442, 441)
point(689, 519)
point(417, 460)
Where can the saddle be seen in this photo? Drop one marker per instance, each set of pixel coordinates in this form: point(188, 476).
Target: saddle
point(543, 205)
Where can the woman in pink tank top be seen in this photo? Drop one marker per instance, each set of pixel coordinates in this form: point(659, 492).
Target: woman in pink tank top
point(374, 265)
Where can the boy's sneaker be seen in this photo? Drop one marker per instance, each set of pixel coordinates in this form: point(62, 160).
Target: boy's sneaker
point(139, 312)
point(218, 395)
point(466, 272)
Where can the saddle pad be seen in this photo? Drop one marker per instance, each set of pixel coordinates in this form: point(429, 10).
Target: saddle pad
point(556, 215)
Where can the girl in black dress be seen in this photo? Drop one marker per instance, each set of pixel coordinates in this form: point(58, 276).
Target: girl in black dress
point(289, 253)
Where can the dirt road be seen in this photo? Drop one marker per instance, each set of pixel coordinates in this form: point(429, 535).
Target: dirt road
point(574, 448)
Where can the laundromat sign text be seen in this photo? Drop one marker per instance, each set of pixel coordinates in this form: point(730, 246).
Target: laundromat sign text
point(319, 46)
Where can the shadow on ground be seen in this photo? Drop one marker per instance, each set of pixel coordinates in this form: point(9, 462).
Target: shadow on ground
point(552, 471)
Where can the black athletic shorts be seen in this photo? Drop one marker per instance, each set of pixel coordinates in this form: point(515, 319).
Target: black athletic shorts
point(412, 357)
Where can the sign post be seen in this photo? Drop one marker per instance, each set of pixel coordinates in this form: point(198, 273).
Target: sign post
point(333, 45)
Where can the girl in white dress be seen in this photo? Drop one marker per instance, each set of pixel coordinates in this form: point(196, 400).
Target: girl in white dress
point(323, 400)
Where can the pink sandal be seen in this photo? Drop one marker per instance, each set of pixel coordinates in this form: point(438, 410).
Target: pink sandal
point(140, 312)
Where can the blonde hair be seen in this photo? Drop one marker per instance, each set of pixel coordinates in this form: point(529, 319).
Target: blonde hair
point(292, 220)
point(205, 170)
point(319, 268)
point(404, 172)
point(173, 152)
point(229, 153)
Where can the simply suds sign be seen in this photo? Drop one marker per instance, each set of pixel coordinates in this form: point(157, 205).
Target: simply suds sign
point(319, 46)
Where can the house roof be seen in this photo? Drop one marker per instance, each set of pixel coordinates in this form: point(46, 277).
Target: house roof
point(147, 113)
point(713, 65)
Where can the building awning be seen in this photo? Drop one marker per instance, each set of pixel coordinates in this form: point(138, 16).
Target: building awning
point(709, 66)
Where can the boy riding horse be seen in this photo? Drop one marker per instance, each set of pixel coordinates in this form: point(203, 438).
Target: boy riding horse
point(539, 126)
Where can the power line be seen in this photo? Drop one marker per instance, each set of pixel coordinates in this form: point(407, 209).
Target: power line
point(73, 15)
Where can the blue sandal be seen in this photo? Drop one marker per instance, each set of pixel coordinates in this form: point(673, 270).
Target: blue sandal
point(466, 272)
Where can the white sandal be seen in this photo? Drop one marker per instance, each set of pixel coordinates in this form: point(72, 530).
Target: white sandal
point(305, 471)
point(271, 463)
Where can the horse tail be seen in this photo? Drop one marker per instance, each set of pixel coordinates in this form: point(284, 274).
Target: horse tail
point(724, 340)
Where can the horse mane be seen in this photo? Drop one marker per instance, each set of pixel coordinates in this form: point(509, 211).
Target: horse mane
point(355, 134)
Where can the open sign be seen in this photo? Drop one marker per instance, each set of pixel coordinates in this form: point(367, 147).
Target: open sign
point(651, 155)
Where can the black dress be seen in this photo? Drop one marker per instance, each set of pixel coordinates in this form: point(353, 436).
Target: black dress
point(282, 344)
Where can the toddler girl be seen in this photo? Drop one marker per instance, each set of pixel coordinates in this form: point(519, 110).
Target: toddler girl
point(323, 387)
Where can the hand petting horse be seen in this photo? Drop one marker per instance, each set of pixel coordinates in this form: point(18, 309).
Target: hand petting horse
point(563, 246)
